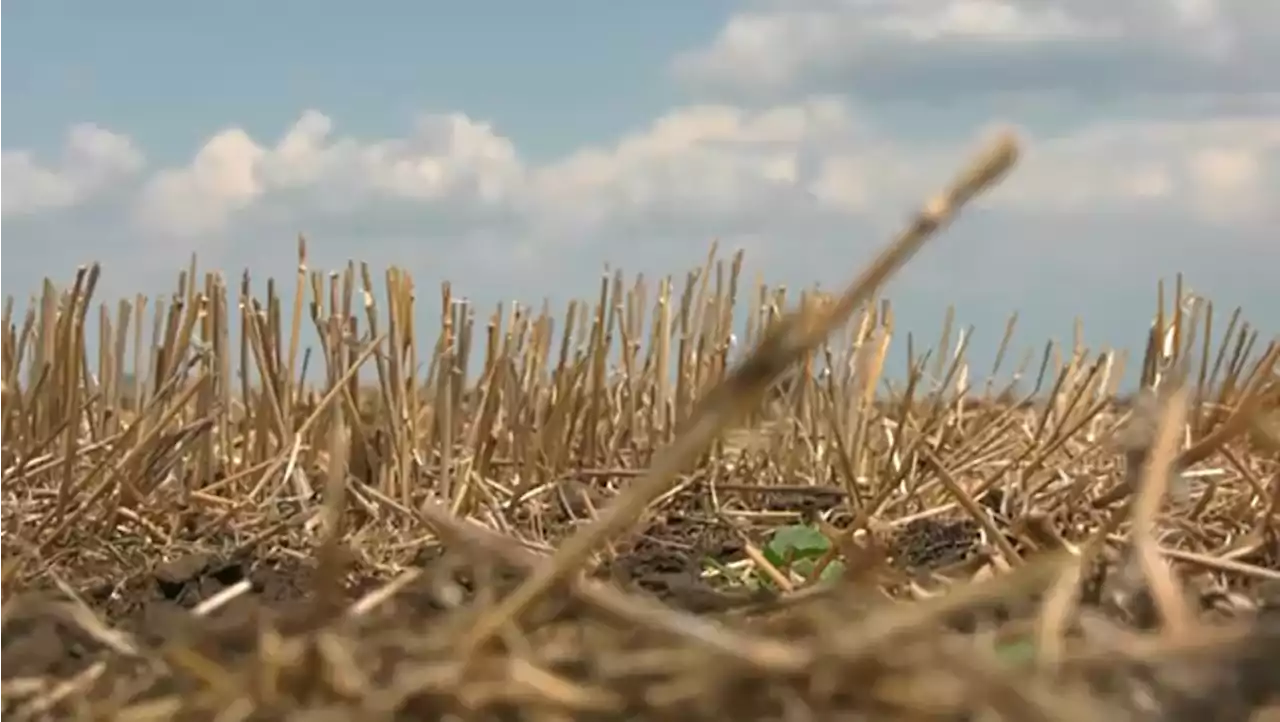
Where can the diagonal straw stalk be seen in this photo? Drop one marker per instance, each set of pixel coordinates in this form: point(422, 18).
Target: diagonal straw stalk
point(787, 342)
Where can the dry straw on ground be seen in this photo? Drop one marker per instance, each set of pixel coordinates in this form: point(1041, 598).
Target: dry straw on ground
point(580, 533)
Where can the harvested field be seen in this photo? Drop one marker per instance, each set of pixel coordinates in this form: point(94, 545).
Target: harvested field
point(609, 515)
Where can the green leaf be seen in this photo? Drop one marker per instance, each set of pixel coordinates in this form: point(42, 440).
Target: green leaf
point(776, 559)
point(1017, 652)
point(798, 542)
point(832, 571)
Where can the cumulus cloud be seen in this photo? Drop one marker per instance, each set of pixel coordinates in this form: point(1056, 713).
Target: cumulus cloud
point(711, 169)
point(699, 162)
point(727, 165)
point(223, 178)
point(445, 158)
point(1222, 170)
point(703, 163)
point(933, 47)
point(93, 159)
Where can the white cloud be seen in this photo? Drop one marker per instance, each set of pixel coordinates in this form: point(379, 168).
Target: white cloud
point(985, 20)
point(223, 178)
point(725, 163)
point(1224, 170)
point(896, 45)
point(805, 187)
point(93, 160)
point(771, 47)
point(704, 169)
point(446, 158)
point(700, 161)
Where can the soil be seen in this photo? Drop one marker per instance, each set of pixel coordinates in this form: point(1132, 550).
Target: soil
point(167, 651)
point(155, 604)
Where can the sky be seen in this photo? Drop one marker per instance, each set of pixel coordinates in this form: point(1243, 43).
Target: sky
point(515, 149)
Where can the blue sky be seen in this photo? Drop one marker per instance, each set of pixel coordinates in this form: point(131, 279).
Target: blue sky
point(514, 148)
point(558, 73)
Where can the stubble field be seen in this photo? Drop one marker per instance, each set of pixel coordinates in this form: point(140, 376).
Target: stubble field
point(614, 513)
